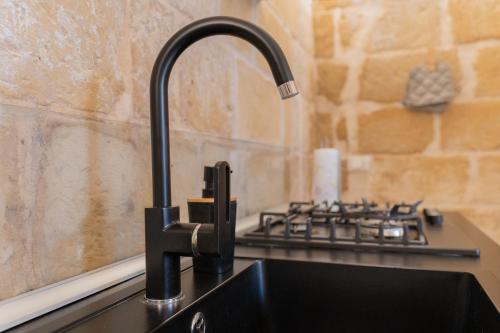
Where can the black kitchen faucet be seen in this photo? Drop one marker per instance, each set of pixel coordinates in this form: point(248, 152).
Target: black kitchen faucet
point(166, 238)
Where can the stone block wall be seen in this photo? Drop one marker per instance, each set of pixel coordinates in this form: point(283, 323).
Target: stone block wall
point(75, 168)
point(364, 52)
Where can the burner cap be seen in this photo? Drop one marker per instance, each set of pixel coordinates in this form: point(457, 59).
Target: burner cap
point(392, 229)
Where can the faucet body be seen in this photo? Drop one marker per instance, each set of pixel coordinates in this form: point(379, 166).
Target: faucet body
point(166, 238)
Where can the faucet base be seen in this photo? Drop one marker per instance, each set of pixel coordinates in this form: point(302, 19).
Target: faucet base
point(160, 302)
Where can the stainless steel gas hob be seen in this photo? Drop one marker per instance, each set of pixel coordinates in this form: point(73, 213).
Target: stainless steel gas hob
point(362, 226)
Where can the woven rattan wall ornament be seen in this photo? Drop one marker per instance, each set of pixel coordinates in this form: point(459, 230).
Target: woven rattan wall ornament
point(429, 88)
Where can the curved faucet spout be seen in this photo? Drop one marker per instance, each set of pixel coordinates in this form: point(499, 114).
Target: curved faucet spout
point(161, 73)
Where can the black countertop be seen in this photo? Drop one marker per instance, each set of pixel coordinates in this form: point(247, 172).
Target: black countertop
point(122, 306)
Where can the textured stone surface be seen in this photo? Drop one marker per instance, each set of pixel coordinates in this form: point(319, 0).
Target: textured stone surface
point(331, 79)
point(471, 126)
point(303, 68)
point(76, 171)
point(245, 10)
point(195, 9)
point(16, 131)
point(394, 130)
point(305, 129)
point(187, 169)
point(269, 175)
point(298, 188)
point(292, 114)
point(307, 169)
point(487, 66)
point(94, 183)
point(356, 180)
point(158, 21)
point(74, 196)
point(412, 177)
point(350, 22)
point(200, 84)
point(486, 188)
point(342, 129)
point(474, 20)
point(238, 8)
point(259, 106)
point(323, 35)
point(319, 5)
point(206, 81)
point(451, 159)
point(270, 21)
point(405, 25)
point(486, 219)
point(63, 54)
point(344, 175)
point(383, 79)
point(292, 169)
point(298, 19)
point(321, 130)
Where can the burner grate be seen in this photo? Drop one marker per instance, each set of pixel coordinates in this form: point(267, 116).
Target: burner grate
point(354, 226)
point(399, 224)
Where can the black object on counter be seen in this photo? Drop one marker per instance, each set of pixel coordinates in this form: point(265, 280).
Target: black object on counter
point(433, 216)
point(257, 296)
point(166, 238)
point(359, 226)
point(202, 210)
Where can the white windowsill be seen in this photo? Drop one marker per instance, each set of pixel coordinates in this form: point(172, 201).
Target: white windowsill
point(19, 309)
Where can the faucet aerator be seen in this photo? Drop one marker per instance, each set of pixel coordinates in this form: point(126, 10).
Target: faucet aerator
point(288, 89)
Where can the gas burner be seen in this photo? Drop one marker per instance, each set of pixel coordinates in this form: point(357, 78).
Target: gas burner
point(359, 226)
point(299, 228)
point(359, 222)
point(391, 229)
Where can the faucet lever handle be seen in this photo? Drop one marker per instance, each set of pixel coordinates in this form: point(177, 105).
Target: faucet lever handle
point(221, 181)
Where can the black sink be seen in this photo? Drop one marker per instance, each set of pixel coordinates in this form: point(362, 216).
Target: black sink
point(290, 296)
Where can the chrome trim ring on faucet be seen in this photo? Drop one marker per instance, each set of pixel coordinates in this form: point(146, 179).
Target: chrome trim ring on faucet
point(288, 89)
point(194, 240)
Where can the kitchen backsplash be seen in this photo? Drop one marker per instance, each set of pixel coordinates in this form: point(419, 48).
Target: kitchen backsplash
point(74, 124)
point(365, 51)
